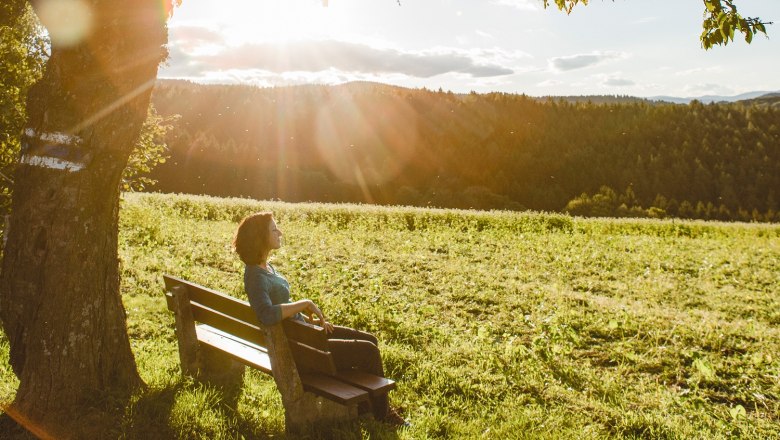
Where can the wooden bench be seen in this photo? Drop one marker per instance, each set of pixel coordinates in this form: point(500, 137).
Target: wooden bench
point(210, 325)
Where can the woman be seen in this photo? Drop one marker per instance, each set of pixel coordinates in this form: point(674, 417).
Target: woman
point(269, 296)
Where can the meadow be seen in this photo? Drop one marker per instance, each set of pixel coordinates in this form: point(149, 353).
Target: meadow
point(494, 324)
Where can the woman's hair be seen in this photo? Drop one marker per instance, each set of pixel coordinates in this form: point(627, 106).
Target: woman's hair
point(252, 236)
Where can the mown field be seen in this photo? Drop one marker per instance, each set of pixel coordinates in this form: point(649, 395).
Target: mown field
point(495, 325)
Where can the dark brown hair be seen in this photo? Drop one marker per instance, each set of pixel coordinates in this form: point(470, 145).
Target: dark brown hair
point(252, 236)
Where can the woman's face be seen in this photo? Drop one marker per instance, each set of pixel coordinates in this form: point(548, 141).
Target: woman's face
point(274, 235)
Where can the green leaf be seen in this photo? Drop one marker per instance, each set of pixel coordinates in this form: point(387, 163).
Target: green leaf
point(704, 368)
point(738, 412)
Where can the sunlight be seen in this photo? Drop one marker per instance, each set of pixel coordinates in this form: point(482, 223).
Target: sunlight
point(364, 145)
point(281, 21)
point(68, 22)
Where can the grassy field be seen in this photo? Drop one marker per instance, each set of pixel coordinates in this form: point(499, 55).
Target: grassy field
point(495, 325)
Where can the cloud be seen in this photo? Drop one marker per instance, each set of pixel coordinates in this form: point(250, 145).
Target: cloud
point(618, 82)
point(580, 61)
point(190, 37)
point(264, 78)
point(317, 56)
point(523, 5)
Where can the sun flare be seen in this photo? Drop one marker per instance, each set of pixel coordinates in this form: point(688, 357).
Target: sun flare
point(283, 21)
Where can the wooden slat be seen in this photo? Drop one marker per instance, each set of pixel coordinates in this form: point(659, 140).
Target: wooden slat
point(215, 300)
point(333, 389)
point(311, 360)
point(228, 324)
point(303, 332)
point(253, 356)
point(306, 333)
point(257, 357)
point(375, 385)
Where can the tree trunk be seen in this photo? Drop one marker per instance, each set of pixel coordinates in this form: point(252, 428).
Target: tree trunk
point(59, 294)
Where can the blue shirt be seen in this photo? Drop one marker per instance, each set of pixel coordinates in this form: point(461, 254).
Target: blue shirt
point(266, 290)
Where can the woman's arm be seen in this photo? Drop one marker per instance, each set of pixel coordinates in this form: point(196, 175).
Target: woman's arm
point(307, 307)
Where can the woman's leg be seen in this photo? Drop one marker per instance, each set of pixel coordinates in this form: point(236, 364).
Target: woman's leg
point(358, 350)
point(340, 332)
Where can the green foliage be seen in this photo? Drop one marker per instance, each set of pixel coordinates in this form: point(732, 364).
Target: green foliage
point(150, 150)
point(495, 324)
point(722, 21)
point(23, 51)
point(606, 203)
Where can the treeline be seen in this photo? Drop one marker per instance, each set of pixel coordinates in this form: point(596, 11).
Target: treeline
point(365, 142)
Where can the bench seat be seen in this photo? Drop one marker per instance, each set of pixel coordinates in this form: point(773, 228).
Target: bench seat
point(333, 388)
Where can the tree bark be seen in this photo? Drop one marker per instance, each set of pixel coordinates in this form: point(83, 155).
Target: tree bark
point(60, 303)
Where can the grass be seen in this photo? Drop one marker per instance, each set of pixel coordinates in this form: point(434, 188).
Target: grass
point(494, 324)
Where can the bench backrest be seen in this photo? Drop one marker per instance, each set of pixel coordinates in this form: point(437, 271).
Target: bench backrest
point(308, 343)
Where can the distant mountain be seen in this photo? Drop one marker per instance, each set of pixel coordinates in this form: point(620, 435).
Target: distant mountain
point(707, 99)
point(769, 100)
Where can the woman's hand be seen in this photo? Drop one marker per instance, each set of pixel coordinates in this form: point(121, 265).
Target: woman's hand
point(312, 309)
point(327, 326)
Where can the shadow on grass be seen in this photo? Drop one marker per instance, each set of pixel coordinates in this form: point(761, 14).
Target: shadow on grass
point(352, 430)
point(149, 416)
point(153, 412)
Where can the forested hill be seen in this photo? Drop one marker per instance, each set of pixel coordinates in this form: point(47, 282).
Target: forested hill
point(382, 144)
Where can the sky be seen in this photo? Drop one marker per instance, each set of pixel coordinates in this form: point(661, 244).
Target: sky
point(626, 47)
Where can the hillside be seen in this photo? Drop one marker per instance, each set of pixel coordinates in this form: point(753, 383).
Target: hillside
point(367, 142)
point(769, 100)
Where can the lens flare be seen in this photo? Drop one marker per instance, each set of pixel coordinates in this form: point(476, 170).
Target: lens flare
point(68, 22)
point(363, 143)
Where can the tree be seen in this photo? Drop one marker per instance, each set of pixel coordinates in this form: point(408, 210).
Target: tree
point(59, 292)
point(721, 21)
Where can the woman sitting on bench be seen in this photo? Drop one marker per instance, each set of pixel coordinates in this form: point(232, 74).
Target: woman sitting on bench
point(269, 296)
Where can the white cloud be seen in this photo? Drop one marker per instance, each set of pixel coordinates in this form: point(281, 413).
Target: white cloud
point(265, 78)
point(189, 37)
point(318, 56)
point(580, 61)
point(616, 80)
